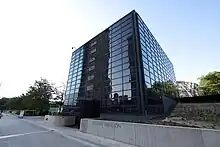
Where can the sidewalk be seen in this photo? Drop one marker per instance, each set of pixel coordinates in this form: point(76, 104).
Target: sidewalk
point(76, 135)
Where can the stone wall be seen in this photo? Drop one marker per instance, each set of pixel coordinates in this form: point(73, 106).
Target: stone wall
point(147, 135)
point(209, 112)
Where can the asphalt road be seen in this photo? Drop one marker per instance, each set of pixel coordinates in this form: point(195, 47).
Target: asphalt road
point(15, 132)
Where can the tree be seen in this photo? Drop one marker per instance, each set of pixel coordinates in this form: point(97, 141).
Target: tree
point(167, 88)
point(38, 95)
point(210, 84)
point(3, 102)
point(59, 95)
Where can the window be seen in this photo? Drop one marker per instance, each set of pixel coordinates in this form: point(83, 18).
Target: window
point(114, 58)
point(124, 43)
point(116, 52)
point(116, 33)
point(89, 87)
point(127, 86)
point(126, 79)
point(118, 62)
point(146, 72)
point(126, 65)
point(93, 51)
point(116, 28)
point(117, 81)
point(126, 72)
point(128, 21)
point(116, 42)
point(117, 47)
point(70, 101)
point(127, 93)
point(116, 37)
point(93, 43)
point(91, 67)
point(125, 60)
point(126, 32)
point(125, 54)
point(126, 36)
point(91, 77)
point(91, 59)
point(116, 68)
point(128, 26)
point(116, 75)
point(125, 48)
point(147, 79)
point(117, 88)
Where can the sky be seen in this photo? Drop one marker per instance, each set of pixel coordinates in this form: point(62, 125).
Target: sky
point(37, 36)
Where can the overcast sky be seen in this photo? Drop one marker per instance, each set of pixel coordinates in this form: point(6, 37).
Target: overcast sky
point(36, 36)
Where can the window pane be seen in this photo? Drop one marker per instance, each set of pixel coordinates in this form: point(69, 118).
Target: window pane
point(116, 37)
point(127, 27)
point(147, 79)
point(126, 65)
point(116, 42)
point(116, 68)
point(116, 57)
point(127, 86)
point(118, 62)
point(115, 48)
point(125, 48)
point(116, 52)
point(125, 60)
point(116, 75)
point(117, 81)
point(127, 93)
point(125, 54)
point(126, 79)
point(126, 72)
point(117, 88)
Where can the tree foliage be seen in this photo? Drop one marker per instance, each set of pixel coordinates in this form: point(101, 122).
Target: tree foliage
point(37, 97)
point(210, 84)
point(165, 88)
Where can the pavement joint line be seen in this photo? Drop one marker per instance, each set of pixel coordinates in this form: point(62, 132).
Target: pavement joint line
point(23, 134)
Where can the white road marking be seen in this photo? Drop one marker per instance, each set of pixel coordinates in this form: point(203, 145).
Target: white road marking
point(17, 135)
point(86, 143)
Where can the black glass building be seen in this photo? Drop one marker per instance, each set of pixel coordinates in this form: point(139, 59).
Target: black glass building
point(124, 67)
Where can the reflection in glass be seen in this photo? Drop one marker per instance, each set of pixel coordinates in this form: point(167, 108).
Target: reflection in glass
point(117, 81)
point(126, 72)
point(117, 88)
point(116, 68)
point(127, 86)
point(127, 93)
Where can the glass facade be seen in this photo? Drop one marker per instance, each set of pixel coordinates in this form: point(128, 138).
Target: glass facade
point(108, 66)
point(159, 73)
point(74, 77)
point(121, 67)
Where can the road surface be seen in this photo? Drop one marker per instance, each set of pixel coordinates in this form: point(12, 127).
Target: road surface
point(15, 132)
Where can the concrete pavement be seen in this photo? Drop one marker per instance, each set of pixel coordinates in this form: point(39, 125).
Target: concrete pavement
point(74, 135)
point(15, 132)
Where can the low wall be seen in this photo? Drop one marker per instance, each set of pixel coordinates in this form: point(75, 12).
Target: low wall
point(198, 111)
point(147, 135)
point(60, 120)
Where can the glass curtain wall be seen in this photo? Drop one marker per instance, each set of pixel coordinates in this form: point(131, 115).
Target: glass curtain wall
point(74, 77)
point(158, 70)
point(121, 67)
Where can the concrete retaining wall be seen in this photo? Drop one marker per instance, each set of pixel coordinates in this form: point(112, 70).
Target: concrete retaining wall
point(60, 120)
point(147, 135)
